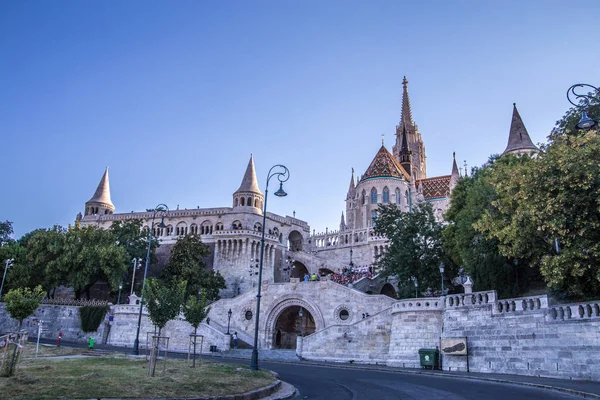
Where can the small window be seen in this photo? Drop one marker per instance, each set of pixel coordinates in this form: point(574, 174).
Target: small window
point(398, 196)
point(386, 195)
point(344, 314)
point(373, 216)
point(373, 196)
point(248, 315)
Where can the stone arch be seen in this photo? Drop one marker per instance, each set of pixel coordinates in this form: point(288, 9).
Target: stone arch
point(388, 290)
point(295, 240)
point(277, 309)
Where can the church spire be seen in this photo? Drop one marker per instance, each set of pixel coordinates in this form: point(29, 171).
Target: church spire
point(518, 138)
point(100, 202)
point(454, 177)
point(406, 112)
point(404, 155)
point(352, 187)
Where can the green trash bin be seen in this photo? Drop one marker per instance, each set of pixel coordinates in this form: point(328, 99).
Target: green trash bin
point(430, 358)
point(91, 343)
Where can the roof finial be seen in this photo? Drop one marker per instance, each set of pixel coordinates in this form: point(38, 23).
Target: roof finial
point(454, 155)
point(382, 136)
point(404, 82)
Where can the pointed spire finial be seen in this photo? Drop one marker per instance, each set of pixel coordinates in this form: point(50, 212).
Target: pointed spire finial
point(382, 137)
point(404, 82)
point(249, 182)
point(454, 155)
point(518, 138)
point(406, 112)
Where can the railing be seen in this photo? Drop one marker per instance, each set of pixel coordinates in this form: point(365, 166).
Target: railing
point(563, 312)
point(470, 299)
point(532, 303)
point(418, 304)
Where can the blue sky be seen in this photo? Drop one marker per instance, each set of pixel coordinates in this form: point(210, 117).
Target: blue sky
point(174, 96)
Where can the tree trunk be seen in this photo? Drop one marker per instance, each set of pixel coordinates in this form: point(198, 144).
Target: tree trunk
point(195, 338)
point(154, 354)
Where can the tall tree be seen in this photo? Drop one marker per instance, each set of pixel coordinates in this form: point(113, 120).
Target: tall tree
point(6, 232)
point(90, 255)
point(163, 300)
point(186, 263)
point(22, 302)
point(465, 246)
point(194, 311)
point(415, 246)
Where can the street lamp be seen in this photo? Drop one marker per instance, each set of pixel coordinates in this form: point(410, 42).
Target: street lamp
point(120, 288)
point(416, 282)
point(300, 314)
point(283, 174)
point(8, 264)
point(137, 263)
point(442, 266)
point(163, 210)
point(351, 263)
point(228, 319)
point(585, 122)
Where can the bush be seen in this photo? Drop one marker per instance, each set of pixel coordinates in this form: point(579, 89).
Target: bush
point(91, 317)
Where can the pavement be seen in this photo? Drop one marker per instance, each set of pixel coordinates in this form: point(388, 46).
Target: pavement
point(585, 389)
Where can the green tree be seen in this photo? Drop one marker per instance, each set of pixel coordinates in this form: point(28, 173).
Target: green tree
point(40, 263)
point(194, 311)
point(6, 232)
point(90, 255)
point(415, 246)
point(163, 301)
point(22, 302)
point(186, 263)
point(466, 247)
point(130, 235)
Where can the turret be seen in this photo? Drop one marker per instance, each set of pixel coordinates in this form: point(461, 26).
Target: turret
point(248, 194)
point(100, 203)
point(519, 141)
point(455, 176)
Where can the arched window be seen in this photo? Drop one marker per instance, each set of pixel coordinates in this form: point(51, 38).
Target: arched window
point(194, 229)
point(219, 226)
point(242, 202)
point(397, 196)
point(386, 195)
point(235, 202)
point(249, 203)
point(258, 227)
point(363, 198)
point(406, 196)
point(373, 196)
point(373, 216)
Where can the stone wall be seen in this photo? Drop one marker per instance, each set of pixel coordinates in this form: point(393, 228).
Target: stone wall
point(525, 336)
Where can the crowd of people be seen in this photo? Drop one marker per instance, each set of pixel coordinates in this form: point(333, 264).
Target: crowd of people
point(351, 274)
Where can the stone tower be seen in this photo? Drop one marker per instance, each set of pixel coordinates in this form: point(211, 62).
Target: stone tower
point(414, 140)
point(100, 203)
point(248, 194)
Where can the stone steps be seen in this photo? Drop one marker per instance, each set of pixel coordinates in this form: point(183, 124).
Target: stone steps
point(273, 355)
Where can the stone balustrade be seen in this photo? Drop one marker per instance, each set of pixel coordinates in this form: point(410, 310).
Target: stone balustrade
point(531, 303)
point(419, 304)
point(563, 312)
point(470, 299)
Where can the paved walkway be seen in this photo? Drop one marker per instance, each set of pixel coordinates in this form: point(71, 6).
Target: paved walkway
point(587, 389)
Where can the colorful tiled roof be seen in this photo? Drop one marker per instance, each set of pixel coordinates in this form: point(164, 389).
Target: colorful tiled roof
point(384, 165)
point(436, 187)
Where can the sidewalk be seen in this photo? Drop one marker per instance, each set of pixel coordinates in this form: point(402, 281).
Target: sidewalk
point(586, 389)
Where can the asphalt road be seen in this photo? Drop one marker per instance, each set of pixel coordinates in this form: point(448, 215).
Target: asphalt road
point(316, 382)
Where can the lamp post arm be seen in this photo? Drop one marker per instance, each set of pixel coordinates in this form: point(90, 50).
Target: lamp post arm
point(586, 97)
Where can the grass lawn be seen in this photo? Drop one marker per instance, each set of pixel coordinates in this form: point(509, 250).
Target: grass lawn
point(118, 375)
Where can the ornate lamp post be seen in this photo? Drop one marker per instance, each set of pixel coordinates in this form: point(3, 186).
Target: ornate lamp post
point(301, 321)
point(282, 174)
point(8, 264)
point(163, 210)
point(351, 263)
point(442, 266)
point(137, 263)
point(228, 319)
point(583, 101)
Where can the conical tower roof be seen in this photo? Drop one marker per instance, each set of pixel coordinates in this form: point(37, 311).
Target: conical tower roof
point(406, 112)
point(102, 194)
point(384, 165)
point(518, 138)
point(352, 187)
point(249, 182)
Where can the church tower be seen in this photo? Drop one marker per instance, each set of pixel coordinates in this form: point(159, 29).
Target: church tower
point(414, 140)
point(248, 194)
point(100, 203)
